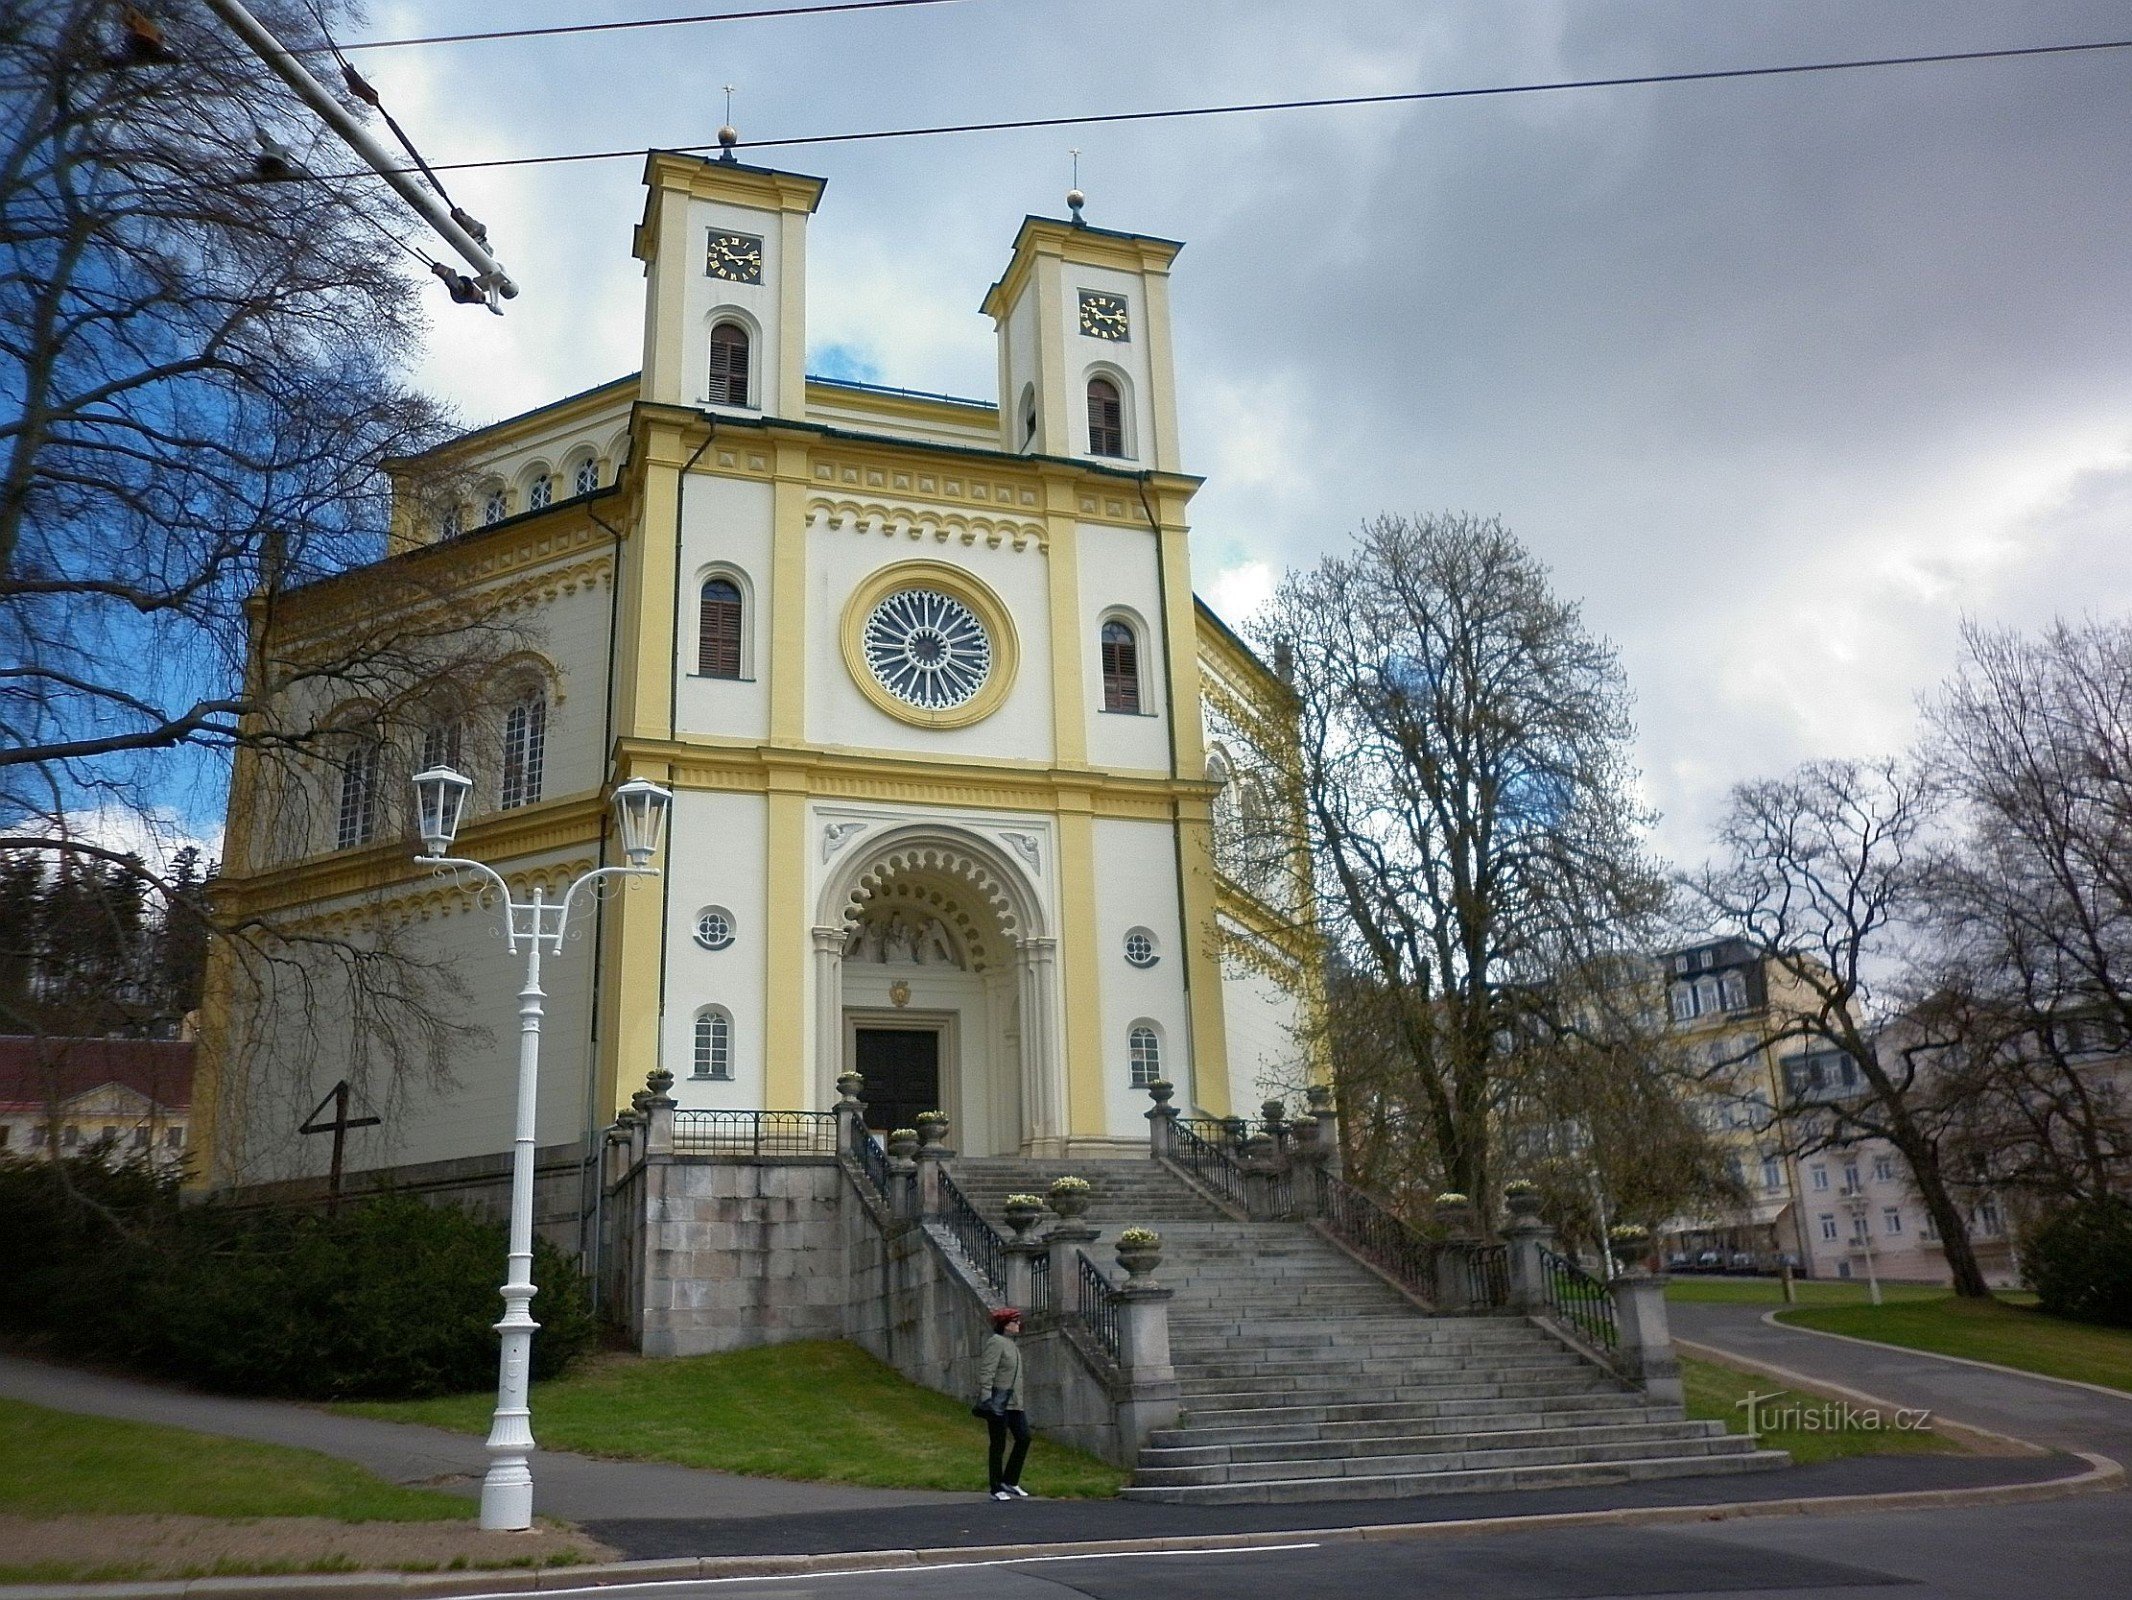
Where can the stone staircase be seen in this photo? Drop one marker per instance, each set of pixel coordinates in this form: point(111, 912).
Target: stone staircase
point(1305, 1376)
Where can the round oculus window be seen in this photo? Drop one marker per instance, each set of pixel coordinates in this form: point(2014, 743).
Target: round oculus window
point(927, 649)
point(714, 927)
point(1140, 948)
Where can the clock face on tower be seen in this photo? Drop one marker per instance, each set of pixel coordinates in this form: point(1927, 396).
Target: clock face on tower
point(927, 648)
point(1103, 316)
point(735, 257)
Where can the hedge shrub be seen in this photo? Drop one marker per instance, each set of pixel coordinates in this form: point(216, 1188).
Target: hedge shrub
point(391, 1299)
point(2079, 1260)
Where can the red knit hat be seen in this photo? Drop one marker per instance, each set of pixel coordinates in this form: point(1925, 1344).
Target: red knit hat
point(1003, 1316)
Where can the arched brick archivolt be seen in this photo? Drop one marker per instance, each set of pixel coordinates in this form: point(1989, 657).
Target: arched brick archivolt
point(994, 916)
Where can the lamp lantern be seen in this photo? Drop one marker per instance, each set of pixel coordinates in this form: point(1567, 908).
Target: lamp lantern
point(640, 806)
point(440, 800)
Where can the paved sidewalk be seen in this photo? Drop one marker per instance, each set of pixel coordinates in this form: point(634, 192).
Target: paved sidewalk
point(573, 1487)
point(2035, 1409)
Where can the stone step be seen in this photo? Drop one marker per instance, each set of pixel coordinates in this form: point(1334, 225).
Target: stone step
point(1335, 1413)
point(1400, 1485)
point(1365, 1367)
point(1439, 1462)
point(1197, 1398)
point(1396, 1441)
point(1415, 1418)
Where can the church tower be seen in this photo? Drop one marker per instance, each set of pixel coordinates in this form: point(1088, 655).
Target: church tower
point(724, 248)
point(1083, 318)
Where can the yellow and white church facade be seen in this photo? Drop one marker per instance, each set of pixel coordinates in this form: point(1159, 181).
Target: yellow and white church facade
point(968, 787)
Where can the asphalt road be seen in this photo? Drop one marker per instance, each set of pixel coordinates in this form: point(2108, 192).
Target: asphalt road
point(2075, 1549)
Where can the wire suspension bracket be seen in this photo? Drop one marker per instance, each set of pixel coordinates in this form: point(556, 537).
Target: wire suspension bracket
point(490, 283)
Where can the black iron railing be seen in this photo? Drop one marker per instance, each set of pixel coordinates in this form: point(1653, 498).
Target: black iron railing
point(755, 1133)
point(1210, 1163)
point(1039, 1283)
point(1365, 1226)
point(1577, 1299)
point(983, 1246)
point(873, 1160)
point(1487, 1275)
point(1224, 1133)
point(1097, 1303)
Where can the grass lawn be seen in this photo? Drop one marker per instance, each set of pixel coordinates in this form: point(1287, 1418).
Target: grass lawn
point(54, 1463)
point(1811, 1291)
point(2011, 1334)
point(820, 1410)
point(1715, 1393)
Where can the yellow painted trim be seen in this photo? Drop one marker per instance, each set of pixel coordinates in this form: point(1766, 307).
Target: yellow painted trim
point(701, 178)
point(1069, 693)
point(503, 436)
point(787, 924)
point(1162, 372)
point(1097, 247)
point(923, 408)
point(1081, 1012)
point(632, 970)
point(961, 585)
point(792, 314)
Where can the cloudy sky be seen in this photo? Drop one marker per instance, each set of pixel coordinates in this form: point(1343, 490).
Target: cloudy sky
point(1783, 378)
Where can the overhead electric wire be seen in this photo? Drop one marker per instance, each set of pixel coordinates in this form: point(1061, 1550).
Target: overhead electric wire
point(1323, 102)
point(643, 22)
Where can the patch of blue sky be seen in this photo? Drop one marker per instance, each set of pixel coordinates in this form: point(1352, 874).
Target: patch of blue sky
point(846, 363)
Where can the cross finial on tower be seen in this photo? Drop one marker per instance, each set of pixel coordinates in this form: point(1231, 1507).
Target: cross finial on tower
point(728, 135)
point(1074, 198)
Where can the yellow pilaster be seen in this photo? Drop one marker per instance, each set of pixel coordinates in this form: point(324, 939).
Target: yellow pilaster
point(786, 941)
point(632, 972)
point(644, 658)
point(1082, 1012)
point(1069, 700)
point(788, 597)
point(1162, 394)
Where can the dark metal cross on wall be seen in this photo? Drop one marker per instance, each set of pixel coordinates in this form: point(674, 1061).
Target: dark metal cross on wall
point(337, 1097)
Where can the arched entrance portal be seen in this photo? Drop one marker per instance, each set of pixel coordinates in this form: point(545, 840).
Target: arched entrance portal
point(934, 974)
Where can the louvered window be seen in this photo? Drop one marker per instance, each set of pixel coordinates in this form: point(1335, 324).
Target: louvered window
point(729, 365)
point(1121, 668)
point(718, 631)
point(1106, 419)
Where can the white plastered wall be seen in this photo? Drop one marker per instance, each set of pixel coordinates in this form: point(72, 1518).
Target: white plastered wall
point(1085, 354)
point(725, 524)
point(838, 712)
point(757, 303)
point(1264, 1054)
point(1120, 568)
point(716, 856)
point(1136, 886)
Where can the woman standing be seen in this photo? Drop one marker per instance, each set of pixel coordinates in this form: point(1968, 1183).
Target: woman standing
point(999, 1383)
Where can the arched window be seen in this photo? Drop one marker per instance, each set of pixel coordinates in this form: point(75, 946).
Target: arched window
point(714, 1046)
point(494, 507)
point(540, 493)
point(442, 742)
point(449, 524)
point(525, 743)
point(1028, 411)
point(357, 822)
point(1121, 667)
point(729, 365)
point(588, 475)
point(718, 629)
point(1106, 419)
point(1144, 1050)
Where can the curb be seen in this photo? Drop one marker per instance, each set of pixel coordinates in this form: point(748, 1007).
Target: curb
point(1806, 1381)
point(2100, 1474)
point(1769, 1318)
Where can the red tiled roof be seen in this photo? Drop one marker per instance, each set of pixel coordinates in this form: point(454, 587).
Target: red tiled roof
point(33, 1070)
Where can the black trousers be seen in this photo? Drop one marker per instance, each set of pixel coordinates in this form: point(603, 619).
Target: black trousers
point(1016, 1423)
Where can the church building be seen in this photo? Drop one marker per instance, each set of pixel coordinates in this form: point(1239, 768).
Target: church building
point(970, 792)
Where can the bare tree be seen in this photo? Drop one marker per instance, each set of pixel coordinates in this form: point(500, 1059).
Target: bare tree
point(1823, 874)
point(1465, 776)
point(2031, 976)
point(202, 374)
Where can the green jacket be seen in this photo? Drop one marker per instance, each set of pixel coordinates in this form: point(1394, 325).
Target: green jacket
point(1000, 1367)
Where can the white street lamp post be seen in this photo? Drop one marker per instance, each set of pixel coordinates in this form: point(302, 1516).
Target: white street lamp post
point(537, 925)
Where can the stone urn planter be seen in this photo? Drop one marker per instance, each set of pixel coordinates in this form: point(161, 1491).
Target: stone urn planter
point(1162, 1092)
point(1631, 1245)
point(1521, 1198)
point(1069, 1197)
point(1139, 1253)
point(1454, 1214)
point(902, 1143)
point(849, 1086)
point(1023, 1213)
point(932, 1127)
point(1234, 1131)
point(1274, 1117)
point(658, 1081)
point(1320, 1096)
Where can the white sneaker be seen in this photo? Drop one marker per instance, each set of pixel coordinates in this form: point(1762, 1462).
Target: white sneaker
point(1017, 1491)
point(1001, 1494)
